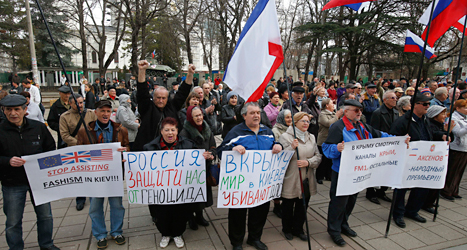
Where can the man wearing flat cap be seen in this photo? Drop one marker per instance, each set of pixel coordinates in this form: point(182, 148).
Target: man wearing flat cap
point(298, 93)
point(370, 101)
point(20, 136)
point(419, 131)
point(60, 106)
point(347, 129)
point(103, 130)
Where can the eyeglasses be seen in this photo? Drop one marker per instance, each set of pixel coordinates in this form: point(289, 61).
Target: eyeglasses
point(359, 88)
point(305, 121)
point(357, 110)
point(424, 103)
point(392, 97)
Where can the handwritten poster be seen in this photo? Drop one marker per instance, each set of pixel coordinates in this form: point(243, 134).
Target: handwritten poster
point(78, 171)
point(388, 162)
point(251, 179)
point(165, 177)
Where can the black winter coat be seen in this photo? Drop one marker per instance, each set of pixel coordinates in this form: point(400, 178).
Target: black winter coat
point(382, 119)
point(227, 117)
point(151, 115)
point(399, 127)
point(53, 120)
point(33, 138)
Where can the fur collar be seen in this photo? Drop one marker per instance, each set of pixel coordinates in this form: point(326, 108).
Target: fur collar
point(195, 135)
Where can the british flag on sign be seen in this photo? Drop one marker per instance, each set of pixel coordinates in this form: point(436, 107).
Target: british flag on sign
point(76, 157)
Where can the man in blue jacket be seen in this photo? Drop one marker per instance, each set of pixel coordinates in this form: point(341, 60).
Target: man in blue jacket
point(249, 135)
point(348, 129)
point(370, 101)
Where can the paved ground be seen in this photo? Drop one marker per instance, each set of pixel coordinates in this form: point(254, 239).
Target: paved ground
point(72, 229)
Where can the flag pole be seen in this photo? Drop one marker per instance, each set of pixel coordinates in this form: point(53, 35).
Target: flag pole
point(451, 108)
point(417, 84)
point(298, 157)
point(63, 68)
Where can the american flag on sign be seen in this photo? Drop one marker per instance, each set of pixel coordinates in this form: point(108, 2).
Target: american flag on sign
point(101, 155)
point(75, 157)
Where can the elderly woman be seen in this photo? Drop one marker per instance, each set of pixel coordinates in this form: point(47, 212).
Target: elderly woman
point(321, 95)
point(197, 129)
point(170, 219)
point(191, 100)
point(403, 105)
point(272, 109)
point(112, 97)
point(293, 213)
point(127, 118)
point(283, 121)
point(326, 118)
point(437, 116)
point(457, 152)
point(228, 116)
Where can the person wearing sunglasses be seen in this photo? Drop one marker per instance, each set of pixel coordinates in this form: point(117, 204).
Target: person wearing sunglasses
point(419, 131)
point(382, 119)
point(347, 129)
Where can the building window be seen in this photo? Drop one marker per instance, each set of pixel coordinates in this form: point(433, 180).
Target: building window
point(94, 57)
point(116, 57)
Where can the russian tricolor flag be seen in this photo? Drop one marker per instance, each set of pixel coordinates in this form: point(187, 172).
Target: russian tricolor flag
point(445, 14)
point(258, 53)
point(358, 6)
point(413, 43)
point(337, 3)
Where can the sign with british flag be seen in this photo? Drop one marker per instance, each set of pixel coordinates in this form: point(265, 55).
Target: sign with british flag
point(78, 171)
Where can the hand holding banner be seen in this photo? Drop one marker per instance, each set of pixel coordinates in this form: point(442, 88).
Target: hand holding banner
point(251, 179)
point(94, 170)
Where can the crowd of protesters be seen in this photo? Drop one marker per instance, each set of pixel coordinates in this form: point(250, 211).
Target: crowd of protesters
point(317, 118)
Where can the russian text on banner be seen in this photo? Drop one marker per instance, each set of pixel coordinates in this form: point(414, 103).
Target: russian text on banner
point(251, 179)
point(78, 171)
point(388, 162)
point(165, 177)
point(427, 165)
point(371, 163)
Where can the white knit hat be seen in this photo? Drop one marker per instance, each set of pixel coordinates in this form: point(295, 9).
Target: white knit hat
point(434, 110)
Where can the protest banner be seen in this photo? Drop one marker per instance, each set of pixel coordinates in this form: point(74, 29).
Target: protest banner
point(165, 177)
point(427, 165)
point(251, 179)
point(371, 163)
point(388, 162)
point(80, 171)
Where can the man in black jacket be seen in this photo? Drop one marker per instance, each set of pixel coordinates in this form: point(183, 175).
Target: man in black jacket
point(152, 112)
point(382, 119)
point(20, 136)
point(419, 131)
point(59, 107)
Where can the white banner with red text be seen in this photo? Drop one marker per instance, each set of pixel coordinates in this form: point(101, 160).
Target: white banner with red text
point(251, 179)
point(387, 162)
point(80, 171)
point(165, 177)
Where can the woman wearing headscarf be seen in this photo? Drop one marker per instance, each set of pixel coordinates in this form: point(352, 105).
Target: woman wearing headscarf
point(283, 121)
point(437, 116)
point(272, 109)
point(127, 118)
point(228, 116)
point(170, 219)
point(457, 160)
point(326, 118)
point(293, 212)
point(197, 129)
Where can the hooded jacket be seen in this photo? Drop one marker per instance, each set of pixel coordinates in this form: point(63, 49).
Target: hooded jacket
point(126, 117)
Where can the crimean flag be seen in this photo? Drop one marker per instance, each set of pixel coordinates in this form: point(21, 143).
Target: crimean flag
point(446, 13)
point(460, 24)
point(358, 6)
point(258, 53)
point(337, 3)
point(413, 43)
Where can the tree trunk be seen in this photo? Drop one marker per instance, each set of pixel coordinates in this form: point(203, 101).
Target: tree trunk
point(82, 34)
